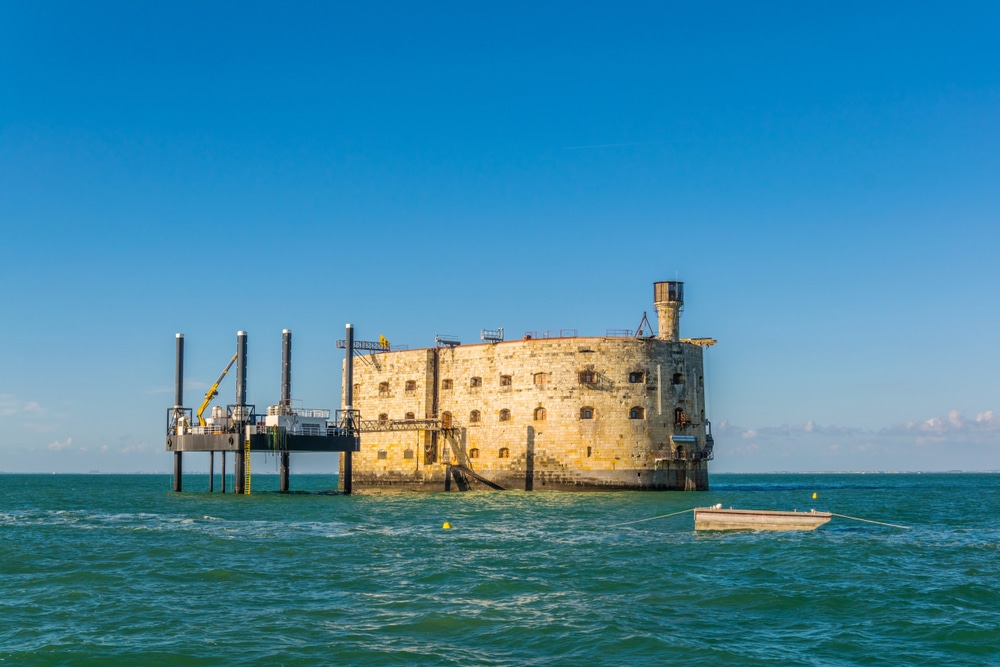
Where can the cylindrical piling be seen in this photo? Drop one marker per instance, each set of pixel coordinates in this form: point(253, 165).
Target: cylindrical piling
point(285, 460)
point(179, 373)
point(178, 471)
point(241, 418)
point(223, 472)
point(349, 371)
point(241, 370)
point(238, 469)
point(211, 472)
point(286, 368)
point(348, 468)
point(347, 465)
point(178, 408)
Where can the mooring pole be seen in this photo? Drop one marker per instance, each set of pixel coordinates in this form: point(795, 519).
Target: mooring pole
point(178, 471)
point(239, 419)
point(347, 466)
point(238, 472)
point(283, 485)
point(178, 408)
point(179, 373)
point(286, 368)
point(286, 399)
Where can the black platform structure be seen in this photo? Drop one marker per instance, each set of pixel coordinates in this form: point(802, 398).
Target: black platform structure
point(241, 430)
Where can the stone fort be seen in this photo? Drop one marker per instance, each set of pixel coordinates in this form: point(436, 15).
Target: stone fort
point(546, 412)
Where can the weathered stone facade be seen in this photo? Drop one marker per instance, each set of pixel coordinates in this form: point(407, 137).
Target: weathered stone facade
point(567, 413)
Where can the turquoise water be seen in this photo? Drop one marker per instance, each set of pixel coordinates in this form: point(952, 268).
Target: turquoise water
point(105, 569)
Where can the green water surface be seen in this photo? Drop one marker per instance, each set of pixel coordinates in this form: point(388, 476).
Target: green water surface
point(107, 569)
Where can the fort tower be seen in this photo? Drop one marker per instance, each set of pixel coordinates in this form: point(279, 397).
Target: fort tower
point(668, 297)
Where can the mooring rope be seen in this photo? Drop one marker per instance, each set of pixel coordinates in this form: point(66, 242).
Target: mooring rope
point(662, 516)
point(881, 523)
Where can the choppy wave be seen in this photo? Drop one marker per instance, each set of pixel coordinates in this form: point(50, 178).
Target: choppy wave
point(100, 570)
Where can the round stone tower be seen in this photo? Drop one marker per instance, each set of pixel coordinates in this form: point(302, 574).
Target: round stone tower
point(668, 297)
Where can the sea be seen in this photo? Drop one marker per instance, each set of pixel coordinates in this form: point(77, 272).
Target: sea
point(120, 570)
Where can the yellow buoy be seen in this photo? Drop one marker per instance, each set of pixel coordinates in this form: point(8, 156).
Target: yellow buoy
point(814, 495)
point(446, 525)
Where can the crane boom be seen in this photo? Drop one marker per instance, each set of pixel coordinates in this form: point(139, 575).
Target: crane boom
point(213, 391)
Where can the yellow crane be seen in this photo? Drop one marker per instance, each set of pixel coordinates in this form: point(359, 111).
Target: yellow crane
point(213, 392)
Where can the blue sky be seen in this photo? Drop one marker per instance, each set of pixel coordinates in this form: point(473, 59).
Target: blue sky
point(822, 175)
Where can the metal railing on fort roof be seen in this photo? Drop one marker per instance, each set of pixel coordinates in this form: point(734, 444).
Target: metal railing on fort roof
point(550, 333)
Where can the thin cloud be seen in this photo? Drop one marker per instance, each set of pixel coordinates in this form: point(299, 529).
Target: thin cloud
point(59, 446)
point(914, 445)
point(11, 406)
point(952, 426)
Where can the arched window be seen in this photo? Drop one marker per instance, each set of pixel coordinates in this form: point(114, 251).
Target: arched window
point(382, 454)
point(588, 377)
point(678, 378)
point(474, 417)
point(475, 383)
point(411, 386)
point(410, 416)
point(636, 377)
point(587, 412)
point(383, 417)
point(539, 414)
point(446, 383)
point(636, 413)
point(383, 388)
point(505, 380)
point(474, 453)
point(446, 420)
point(505, 415)
point(540, 379)
point(357, 390)
point(504, 453)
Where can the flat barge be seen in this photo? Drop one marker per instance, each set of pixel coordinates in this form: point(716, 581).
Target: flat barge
point(716, 518)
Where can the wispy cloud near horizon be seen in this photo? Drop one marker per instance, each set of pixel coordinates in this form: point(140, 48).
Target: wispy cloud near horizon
point(12, 406)
point(948, 442)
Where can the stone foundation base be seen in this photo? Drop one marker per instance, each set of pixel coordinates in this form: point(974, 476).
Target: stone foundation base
point(692, 477)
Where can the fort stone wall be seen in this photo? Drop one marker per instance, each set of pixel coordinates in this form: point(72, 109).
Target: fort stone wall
point(575, 413)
